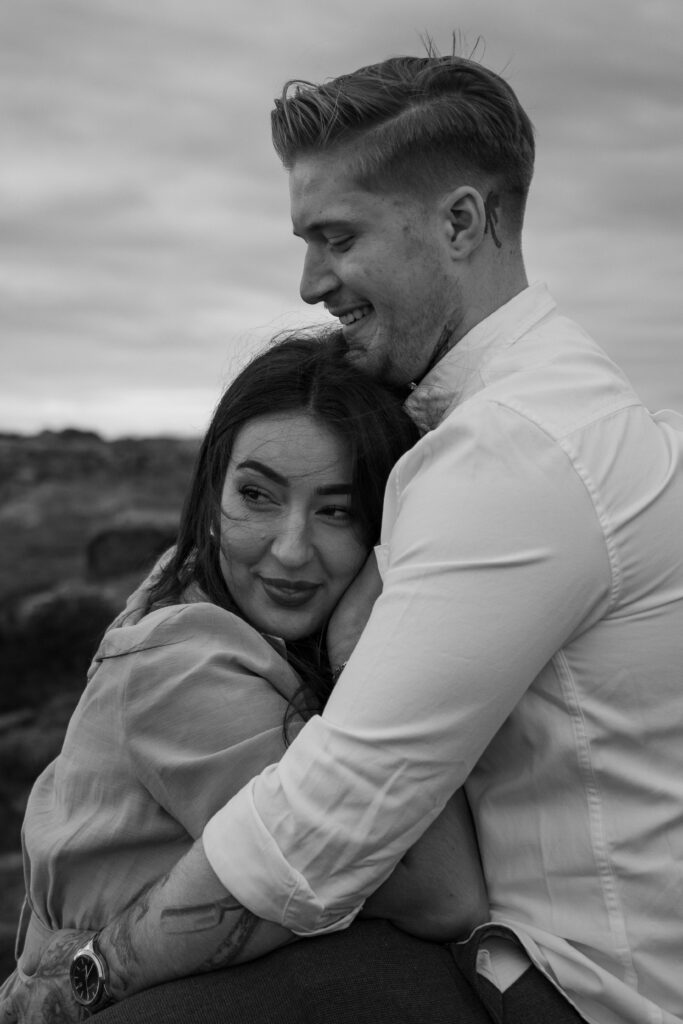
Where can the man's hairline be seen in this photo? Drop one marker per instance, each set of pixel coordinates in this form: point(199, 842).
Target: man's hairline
point(484, 184)
point(384, 187)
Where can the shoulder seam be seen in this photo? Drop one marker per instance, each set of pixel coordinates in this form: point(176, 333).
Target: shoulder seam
point(581, 472)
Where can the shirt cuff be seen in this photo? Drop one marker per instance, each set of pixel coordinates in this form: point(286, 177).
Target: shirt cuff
point(251, 866)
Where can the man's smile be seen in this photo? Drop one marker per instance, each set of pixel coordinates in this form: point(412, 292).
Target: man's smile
point(351, 316)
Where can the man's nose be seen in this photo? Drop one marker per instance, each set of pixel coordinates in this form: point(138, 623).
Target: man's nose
point(318, 279)
point(292, 542)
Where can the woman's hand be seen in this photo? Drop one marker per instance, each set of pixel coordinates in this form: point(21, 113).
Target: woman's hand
point(353, 611)
point(45, 994)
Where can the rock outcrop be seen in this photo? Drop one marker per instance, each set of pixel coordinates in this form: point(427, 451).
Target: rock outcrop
point(130, 542)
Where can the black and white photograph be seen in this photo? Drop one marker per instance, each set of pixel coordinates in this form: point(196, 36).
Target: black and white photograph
point(341, 512)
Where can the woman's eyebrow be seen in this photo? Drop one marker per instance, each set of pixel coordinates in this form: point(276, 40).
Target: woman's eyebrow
point(334, 489)
point(277, 478)
point(261, 467)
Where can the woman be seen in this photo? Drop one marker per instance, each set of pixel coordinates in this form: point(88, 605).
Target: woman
point(218, 660)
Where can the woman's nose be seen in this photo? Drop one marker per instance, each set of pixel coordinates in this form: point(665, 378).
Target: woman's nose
point(292, 543)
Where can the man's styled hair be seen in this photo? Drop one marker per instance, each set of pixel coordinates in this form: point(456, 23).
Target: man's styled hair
point(414, 124)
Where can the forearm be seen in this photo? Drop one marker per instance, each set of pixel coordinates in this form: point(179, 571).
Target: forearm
point(437, 890)
point(187, 923)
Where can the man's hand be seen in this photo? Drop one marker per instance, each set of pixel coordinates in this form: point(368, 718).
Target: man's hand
point(353, 611)
point(45, 994)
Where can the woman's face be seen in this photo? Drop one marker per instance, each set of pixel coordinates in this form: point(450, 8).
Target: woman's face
point(289, 542)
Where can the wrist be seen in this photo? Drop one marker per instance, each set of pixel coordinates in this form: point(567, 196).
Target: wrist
point(121, 982)
point(89, 976)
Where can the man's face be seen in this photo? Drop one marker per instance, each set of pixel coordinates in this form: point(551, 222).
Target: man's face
point(378, 262)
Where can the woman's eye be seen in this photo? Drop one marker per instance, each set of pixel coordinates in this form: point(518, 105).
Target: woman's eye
point(254, 495)
point(338, 513)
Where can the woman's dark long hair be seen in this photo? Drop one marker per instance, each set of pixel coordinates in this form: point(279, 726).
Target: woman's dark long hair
point(303, 372)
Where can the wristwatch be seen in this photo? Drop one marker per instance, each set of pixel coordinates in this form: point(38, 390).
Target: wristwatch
point(89, 976)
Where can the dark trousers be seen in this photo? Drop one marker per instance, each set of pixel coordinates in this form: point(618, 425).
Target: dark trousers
point(369, 974)
point(532, 999)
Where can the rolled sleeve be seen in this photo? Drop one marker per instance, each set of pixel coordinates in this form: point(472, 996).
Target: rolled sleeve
point(268, 873)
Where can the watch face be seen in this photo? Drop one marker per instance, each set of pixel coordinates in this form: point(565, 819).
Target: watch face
point(86, 981)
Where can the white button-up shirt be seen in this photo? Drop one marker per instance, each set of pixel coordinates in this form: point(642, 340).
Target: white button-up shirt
point(528, 644)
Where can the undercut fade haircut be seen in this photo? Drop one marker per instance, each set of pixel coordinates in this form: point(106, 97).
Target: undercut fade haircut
point(414, 125)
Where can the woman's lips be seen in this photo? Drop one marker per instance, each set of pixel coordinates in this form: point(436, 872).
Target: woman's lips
point(289, 593)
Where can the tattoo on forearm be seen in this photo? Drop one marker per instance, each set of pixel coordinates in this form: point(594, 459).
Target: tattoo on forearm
point(491, 205)
point(55, 1010)
point(205, 916)
point(233, 944)
point(55, 961)
point(198, 918)
point(234, 933)
point(121, 940)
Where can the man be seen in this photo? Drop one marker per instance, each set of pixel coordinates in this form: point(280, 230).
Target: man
point(528, 639)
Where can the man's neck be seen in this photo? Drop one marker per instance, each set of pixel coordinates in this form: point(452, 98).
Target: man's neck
point(481, 305)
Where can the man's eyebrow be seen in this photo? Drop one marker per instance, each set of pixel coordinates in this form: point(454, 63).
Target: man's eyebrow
point(277, 478)
point(316, 227)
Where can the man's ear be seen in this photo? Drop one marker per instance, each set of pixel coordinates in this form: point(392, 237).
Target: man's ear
point(464, 220)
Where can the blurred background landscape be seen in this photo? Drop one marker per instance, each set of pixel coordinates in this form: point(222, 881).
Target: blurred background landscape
point(81, 521)
point(146, 252)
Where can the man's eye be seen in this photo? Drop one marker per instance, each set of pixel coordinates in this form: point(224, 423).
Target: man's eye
point(340, 244)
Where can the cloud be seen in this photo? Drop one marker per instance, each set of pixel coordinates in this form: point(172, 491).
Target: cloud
point(146, 242)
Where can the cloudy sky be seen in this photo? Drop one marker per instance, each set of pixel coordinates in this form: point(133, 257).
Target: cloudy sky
point(145, 242)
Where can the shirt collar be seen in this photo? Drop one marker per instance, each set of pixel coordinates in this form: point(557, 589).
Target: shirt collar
point(193, 593)
point(458, 375)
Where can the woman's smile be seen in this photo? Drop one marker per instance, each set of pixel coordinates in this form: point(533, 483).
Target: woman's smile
point(290, 542)
point(289, 593)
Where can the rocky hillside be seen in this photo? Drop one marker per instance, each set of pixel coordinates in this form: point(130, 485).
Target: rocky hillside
point(81, 520)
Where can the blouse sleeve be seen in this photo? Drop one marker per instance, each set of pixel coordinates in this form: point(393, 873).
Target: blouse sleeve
point(203, 709)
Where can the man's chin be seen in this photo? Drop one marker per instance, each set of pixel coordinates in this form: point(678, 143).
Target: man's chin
point(380, 369)
point(359, 357)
